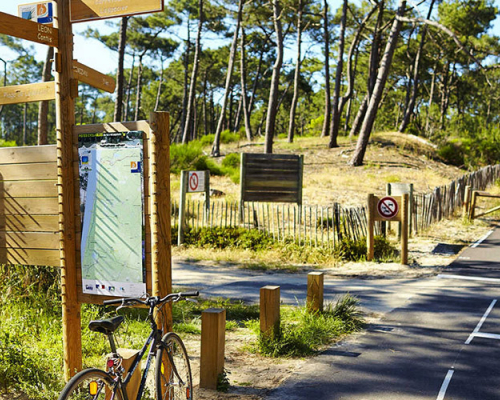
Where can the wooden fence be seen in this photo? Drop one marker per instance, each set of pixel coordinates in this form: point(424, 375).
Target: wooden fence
point(325, 226)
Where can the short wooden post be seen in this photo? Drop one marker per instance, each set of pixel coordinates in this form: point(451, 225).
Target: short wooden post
point(315, 284)
point(404, 228)
point(128, 357)
point(467, 199)
point(213, 326)
point(370, 240)
point(270, 311)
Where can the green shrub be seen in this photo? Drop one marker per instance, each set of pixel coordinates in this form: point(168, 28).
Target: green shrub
point(452, 153)
point(355, 250)
point(221, 238)
point(185, 156)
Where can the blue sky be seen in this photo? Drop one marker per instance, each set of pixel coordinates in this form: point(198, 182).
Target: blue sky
point(90, 52)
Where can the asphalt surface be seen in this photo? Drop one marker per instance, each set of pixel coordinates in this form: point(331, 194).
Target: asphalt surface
point(438, 337)
point(425, 349)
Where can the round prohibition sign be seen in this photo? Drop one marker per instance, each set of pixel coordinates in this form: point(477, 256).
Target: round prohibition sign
point(387, 207)
point(193, 182)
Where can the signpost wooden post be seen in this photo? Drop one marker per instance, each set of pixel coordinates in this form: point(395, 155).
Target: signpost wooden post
point(65, 121)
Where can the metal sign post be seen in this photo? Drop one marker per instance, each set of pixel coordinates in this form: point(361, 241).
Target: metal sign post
point(192, 182)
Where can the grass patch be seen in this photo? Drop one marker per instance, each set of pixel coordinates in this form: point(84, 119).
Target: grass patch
point(303, 333)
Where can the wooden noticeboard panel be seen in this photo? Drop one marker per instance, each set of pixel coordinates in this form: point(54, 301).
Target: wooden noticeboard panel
point(29, 230)
point(271, 177)
point(88, 10)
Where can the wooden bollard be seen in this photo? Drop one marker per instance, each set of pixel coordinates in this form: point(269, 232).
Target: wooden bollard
point(213, 328)
point(315, 284)
point(270, 311)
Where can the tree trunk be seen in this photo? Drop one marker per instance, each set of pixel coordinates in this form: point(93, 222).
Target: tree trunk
point(374, 59)
point(244, 96)
point(129, 90)
point(431, 96)
point(378, 90)
point(230, 67)
point(120, 73)
point(192, 86)
point(138, 96)
point(335, 122)
point(411, 104)
point(328, 100)
point(185, 89)
point(296, 79)
point(272, 108)
point(256, 82)
point(43, 107)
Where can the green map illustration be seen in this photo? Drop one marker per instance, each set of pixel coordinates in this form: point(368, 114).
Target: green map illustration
point(112, 239)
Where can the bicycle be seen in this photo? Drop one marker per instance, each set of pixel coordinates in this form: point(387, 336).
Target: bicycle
point(172, 369)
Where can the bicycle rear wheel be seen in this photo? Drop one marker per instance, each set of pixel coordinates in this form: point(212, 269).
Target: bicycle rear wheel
point(90, 384)
point(173, 382)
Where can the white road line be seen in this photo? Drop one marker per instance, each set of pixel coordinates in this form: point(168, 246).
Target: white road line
point(487, 335)
point(445, 384)
point(468, 278)
point(476, 330)
point(482, 239)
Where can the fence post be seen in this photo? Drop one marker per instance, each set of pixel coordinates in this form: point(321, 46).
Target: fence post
point(270, 311)
point(467, 198)
point(472, 208)
point(213, 326)
point(315, 285)
point(370, 236)
point(405, 199)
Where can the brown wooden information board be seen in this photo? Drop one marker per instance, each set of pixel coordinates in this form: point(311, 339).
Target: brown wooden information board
point(88, 10)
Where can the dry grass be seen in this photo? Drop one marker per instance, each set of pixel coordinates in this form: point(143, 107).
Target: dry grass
point(391, 157)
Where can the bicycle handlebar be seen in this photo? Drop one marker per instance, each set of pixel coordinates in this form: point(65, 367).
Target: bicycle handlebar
point(147, 301)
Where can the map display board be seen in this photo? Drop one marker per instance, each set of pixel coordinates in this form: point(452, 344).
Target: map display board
point(112, 204)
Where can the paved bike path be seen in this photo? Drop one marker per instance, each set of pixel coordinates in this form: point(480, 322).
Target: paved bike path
point(424, 349)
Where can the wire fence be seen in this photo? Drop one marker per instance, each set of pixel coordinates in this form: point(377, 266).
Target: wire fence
point(326, 226)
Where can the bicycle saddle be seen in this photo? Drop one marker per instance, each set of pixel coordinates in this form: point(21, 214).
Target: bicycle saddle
point(106, 326)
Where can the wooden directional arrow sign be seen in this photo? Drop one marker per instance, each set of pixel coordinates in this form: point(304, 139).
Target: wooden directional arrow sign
point(87, 10)
point(29, 30)
point(27, 93)
point(93, 78)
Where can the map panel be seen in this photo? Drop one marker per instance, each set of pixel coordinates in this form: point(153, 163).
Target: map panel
point(111, 183)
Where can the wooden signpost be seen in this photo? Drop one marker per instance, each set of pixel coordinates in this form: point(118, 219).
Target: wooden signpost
point(388, 208)
point(58, 213)
point(88, 10)
point(27, 93)
point(28, 30)
point(93, 78)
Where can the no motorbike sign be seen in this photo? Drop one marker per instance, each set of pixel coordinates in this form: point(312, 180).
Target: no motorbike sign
point(387, 207)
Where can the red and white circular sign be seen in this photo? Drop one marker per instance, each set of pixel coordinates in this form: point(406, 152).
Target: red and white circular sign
point(193, 182)
point(387, 207)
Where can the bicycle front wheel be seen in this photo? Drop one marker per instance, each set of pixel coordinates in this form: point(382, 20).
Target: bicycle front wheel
point(90, 384)
point(173, 372)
